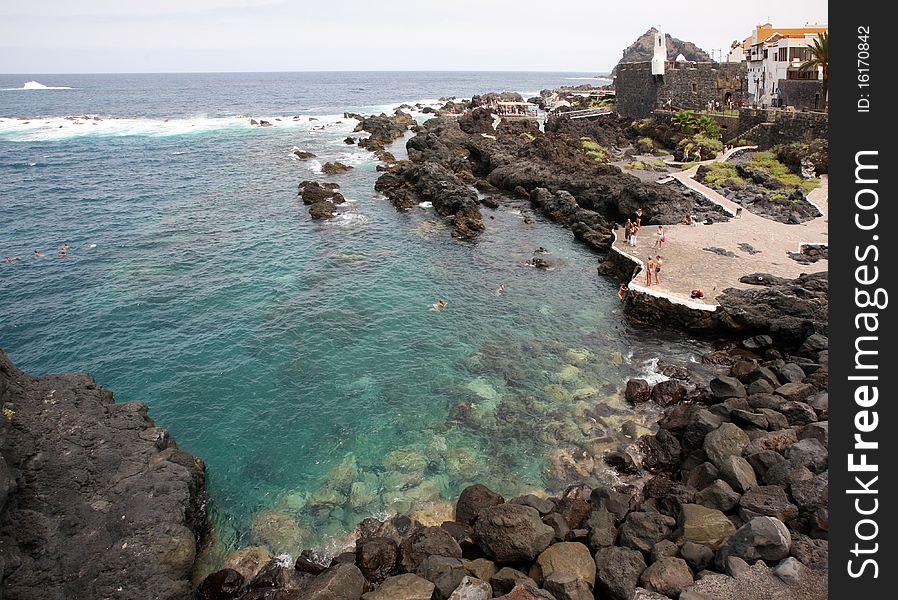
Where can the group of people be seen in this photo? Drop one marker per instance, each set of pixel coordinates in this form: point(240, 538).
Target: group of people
point(716, 106)
point(653, 263)
point(63, 252)
point(631, 228)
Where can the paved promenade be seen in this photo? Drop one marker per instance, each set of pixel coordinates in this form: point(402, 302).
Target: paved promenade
point(757, 245)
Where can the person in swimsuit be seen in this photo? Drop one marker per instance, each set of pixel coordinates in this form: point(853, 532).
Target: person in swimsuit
point(37, 252)
point(501, 288)
point(622, 291)
point(438, 305)
point(628, 232)
point(649, 271)
point(661, 237)
point(658, 263)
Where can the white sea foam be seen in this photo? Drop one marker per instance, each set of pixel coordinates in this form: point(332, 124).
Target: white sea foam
point(36, 85)
point(425, 204)
point(23, 129)
point(650, 372)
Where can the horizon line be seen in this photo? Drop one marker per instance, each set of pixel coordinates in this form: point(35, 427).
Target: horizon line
point(597, 73)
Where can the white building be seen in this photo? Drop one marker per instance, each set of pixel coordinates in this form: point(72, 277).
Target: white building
point(777, 54)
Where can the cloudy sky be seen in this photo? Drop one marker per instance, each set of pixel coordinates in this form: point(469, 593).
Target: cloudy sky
point(82, 36)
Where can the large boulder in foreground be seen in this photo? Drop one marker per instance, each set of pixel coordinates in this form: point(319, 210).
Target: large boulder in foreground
point(426, 542)
point(472, 500)
point(402, 587)
point(565, 558)
point(107, 505)
point(762, 538)
point(618, 570)
point(512, 533)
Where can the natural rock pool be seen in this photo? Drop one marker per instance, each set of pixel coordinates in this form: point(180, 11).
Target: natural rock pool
point(299, 359)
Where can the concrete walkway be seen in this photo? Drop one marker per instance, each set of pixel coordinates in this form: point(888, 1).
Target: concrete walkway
point(756, 244)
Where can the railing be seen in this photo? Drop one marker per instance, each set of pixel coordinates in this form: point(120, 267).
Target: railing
point(589, 112)
point(747, 133)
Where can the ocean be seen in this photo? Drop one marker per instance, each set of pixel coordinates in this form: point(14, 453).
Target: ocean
point(297, 358)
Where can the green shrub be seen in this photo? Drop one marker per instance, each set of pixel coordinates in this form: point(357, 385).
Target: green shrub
point(722, 174)
point(768, 162)
point(595, 150)
point(638, 165)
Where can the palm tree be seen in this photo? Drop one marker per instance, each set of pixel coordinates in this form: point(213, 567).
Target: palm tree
point(708, 126)
point(684, 120)
point(820, 59)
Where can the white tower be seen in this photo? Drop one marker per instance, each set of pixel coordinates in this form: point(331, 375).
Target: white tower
point(660, 54)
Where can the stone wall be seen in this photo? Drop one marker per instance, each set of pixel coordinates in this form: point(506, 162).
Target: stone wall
point(801, 94)
point(770, 127)
point(686, 85)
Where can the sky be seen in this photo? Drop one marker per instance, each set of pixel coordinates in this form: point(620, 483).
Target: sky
point(128, 36)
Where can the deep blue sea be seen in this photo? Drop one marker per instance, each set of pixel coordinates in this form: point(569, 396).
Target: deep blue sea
point(299, 358)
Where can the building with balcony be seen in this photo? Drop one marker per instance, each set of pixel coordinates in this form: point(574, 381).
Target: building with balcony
point(774, 67)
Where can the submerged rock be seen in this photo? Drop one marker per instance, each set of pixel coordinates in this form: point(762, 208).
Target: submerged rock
point(334, 168)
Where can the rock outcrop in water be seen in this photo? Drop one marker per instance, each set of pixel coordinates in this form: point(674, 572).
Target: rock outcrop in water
point(409, 183)
point(554, 170)
point(383, 129)
point(95, 500)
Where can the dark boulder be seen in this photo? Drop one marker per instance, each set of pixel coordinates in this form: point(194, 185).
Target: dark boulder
point(642, 530)
point(472, 500)
point(762, 538)
point(425, 542)
point(221, 585)
point(377, 558)
point(512, 532)
point(617, 572)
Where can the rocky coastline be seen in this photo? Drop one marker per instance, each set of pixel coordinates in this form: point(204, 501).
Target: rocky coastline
point(96, 501)
point(725, 499)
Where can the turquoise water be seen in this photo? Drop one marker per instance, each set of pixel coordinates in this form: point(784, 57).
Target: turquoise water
point(299, 359)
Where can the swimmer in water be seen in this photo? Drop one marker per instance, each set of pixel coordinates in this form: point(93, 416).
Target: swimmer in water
point(64, 246)
point(12, 259)
point(37, 252)
point(501, 288)
point(438, 305)
point(63, 253)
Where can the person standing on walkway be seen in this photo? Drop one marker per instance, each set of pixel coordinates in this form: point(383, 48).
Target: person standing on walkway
point(628, 232)
point(658, 263)
point(649, 271)
point(662, 238)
